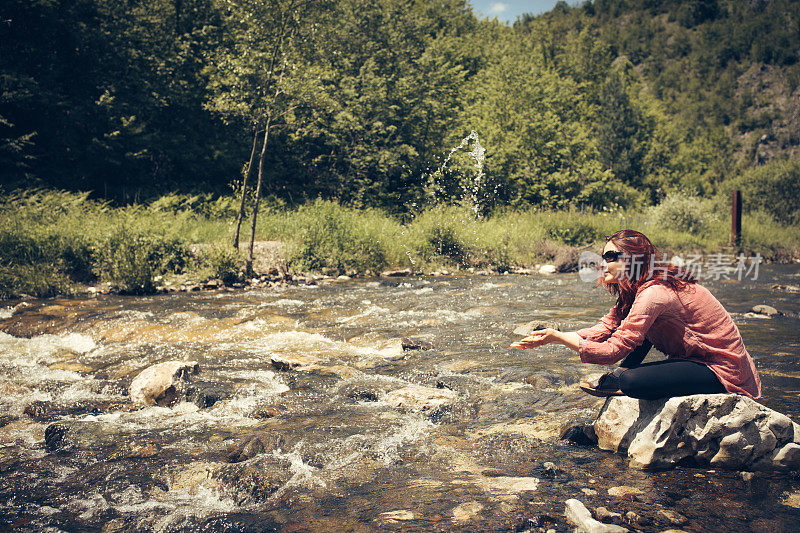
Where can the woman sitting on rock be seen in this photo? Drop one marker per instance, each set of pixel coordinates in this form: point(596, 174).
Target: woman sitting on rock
point(659, 306)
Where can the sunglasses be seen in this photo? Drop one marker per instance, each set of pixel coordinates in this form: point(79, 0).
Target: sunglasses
point(612, 255)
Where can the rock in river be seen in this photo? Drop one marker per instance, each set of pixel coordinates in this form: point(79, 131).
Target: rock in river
point(419, 398)
point(579, 515)
point(160, 384)
point(717, 430)
point(765, 310)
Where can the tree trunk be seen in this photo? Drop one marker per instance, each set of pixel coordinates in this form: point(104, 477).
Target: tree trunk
point(250, 166)
point(249, 263)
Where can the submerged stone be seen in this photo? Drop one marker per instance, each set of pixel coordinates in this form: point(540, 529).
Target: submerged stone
point(45, 411)
point(717, 430)
point(419, 398)
point(415, 344)
point(204, 394)
point(289, 362)
point(467, 511)
point(625, 492)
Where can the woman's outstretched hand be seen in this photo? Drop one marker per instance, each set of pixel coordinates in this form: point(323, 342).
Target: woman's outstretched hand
point(538, 338)
point(542, 337)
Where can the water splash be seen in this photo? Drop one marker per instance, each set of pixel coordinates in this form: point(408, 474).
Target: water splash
point(471, 187)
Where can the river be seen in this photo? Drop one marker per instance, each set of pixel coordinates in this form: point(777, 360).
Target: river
point(322, 447)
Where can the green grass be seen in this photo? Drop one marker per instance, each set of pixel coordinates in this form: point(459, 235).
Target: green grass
point(51, 241)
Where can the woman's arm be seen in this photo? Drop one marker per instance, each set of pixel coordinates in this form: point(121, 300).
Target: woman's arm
point(540, 337)
point(603, 329)
point(649, 304)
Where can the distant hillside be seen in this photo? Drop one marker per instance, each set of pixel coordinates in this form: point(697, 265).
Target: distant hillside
point(726, 64)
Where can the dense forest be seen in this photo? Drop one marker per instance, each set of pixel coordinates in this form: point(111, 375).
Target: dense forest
point(610, 103)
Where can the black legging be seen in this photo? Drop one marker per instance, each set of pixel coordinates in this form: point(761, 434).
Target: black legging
point(664, 379)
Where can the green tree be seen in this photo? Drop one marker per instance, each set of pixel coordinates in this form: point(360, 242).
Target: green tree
point(261, 75)
point(395, 69)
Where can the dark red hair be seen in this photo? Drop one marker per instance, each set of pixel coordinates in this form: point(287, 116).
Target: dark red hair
point(642, 265)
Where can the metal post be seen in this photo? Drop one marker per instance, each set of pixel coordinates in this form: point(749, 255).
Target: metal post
point(736, 218)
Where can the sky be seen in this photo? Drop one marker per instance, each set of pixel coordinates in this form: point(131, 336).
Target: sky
point(509, 10)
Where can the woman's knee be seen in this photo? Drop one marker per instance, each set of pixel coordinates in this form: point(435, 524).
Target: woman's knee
point(630, 386)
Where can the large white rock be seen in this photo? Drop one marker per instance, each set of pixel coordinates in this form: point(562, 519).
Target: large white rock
point(718, 430)
point(160, 384)
point(577, 514)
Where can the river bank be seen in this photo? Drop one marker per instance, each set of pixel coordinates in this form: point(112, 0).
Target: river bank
point(55, 244)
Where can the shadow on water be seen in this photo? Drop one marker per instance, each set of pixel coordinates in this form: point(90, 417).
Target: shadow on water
point(365, 435)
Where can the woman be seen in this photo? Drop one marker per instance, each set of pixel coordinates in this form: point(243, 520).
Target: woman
point(665, 309)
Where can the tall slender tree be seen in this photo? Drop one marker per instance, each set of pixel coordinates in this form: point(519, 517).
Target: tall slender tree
point(261, 76)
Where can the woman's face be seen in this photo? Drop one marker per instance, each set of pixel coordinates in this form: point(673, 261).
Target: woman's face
point(612, 271)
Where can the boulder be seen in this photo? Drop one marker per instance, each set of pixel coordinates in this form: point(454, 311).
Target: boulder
point(716, 430)
point(765, 310)
point(578, 515)
point(162, 384)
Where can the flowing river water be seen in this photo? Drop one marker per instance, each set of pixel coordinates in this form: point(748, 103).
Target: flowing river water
point(321, 447)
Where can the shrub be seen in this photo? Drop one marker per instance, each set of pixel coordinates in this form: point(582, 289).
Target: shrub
point(131, 260)
point(446, 233)
point(197, 204)
point(774, 188)
point(225, 264)
point(683, 212)
point(445, 242)
point(337, 238)
point(572, 231)
point(41, 280)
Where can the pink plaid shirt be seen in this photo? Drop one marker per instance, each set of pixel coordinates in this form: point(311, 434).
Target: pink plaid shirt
point(688, 324)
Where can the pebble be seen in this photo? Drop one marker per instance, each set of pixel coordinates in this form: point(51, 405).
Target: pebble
point(604, 515)
point(401, 514)
point(673, 517)
point(635, 520)
point(467, 511)
point(625, 492)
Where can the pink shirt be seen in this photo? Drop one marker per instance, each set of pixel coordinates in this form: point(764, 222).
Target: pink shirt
point(689, 324)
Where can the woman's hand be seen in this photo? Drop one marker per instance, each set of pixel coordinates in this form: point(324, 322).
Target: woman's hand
point(538, 338)
point(541, 337)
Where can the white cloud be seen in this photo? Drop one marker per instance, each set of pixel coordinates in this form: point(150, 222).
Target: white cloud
point(498, 7)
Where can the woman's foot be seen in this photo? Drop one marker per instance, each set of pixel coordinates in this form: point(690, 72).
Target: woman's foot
point(607, 385)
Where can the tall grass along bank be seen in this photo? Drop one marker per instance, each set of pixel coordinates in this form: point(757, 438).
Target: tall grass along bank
point(53, 243)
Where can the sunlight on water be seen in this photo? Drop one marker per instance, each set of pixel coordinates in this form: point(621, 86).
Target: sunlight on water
point(319, 410)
